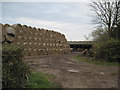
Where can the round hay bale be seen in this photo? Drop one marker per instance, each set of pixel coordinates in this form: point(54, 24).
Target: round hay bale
point(8, 33)
point(30, 52)
point(30, 31)
point(30, 45)
point(39, 51)
point(39, 39)
point(34, 30)
point(26, 38)
point(10, 30)
point(35, 51)
point(1, 36)
point(18, 29)
point(26, 30)
point(26, 52)
point(25, 45)
point(29, 39)
point(4, 33)
point(21, 39)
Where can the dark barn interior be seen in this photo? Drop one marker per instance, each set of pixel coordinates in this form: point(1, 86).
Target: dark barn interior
point(79, 46)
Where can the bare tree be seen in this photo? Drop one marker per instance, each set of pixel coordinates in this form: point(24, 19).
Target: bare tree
point(107, 14)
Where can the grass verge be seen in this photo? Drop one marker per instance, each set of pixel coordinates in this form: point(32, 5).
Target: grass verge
point(97, 62)
point(41, 80)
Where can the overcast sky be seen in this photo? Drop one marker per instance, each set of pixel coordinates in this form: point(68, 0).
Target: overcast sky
point(70, 18)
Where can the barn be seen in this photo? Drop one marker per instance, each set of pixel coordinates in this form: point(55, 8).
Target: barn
point(78, 46)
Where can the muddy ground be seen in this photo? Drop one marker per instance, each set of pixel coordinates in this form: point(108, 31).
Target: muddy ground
point(71, 73)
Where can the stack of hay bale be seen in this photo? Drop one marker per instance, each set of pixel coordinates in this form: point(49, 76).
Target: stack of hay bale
point(36, 41)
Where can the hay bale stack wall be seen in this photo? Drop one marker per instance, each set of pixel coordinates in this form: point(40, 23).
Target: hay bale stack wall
point(36, 41)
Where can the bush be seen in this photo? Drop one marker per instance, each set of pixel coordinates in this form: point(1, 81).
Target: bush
point(109, 50)
point(14, 70)
point(90, 53)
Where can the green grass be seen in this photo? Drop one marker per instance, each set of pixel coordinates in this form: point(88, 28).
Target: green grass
point(41, 80)
point(92, 61)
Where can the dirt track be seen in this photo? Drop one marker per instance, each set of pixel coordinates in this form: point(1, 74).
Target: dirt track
point(71, 73)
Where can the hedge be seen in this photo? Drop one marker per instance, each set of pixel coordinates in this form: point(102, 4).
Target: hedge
point(109, 50)
point(14, 70)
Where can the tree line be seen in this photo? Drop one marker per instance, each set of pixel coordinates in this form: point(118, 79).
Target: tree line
point(106, 36)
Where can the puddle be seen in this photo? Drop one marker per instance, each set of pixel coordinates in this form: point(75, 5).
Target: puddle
point(74, 71)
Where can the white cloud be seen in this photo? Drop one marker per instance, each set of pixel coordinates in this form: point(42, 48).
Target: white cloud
point(72, 31)
point(73, 14)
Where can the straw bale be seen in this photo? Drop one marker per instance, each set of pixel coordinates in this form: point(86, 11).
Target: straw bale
point(25, 44)
point(29, 50)
point(44, 51)
point(18, 43)
point(21, 39)
point(9, 38)
point(30, 44)
point(4, 33)
point(26, 39)
point(29, 39)
point(6, 25)
point(26, 52)
point(34, 30)
point(10, 30)
point(39, 51)
point(26, 30)
point(33, 52)
point(37, 41)
point(1, 35)
point(18, 28)
point(30, 31)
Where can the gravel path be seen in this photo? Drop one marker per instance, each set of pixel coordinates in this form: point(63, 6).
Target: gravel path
point(71, 73)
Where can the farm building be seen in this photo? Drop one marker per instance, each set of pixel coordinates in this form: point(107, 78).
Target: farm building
point(79, 46)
